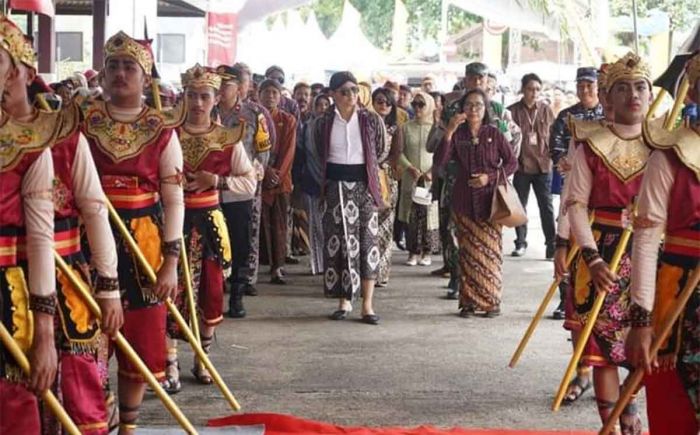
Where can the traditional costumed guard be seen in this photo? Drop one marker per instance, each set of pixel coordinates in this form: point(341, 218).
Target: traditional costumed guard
point(669, 200)
point(606, 174)
point(77, 195)
point(139, 160)
point(27, 272)
point(563, 242)
point(215, 161)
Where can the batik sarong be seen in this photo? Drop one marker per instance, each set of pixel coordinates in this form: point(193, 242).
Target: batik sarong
point(607, 344)
point(386, 231)
point(480, 261)
point(351, 227)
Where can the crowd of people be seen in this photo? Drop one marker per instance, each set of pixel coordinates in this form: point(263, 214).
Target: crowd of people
point(236, 171)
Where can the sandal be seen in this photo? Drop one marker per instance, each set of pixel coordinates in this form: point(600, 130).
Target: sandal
point(577, 387)
point(199, 371)
point(171, 384)
point(201, 374)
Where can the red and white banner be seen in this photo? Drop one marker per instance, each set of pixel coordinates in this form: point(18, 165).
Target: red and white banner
point(222, 32)
point(44, 7)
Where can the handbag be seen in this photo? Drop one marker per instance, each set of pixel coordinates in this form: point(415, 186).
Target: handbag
point(506, 208)
point(384, 188)
point(422, 195)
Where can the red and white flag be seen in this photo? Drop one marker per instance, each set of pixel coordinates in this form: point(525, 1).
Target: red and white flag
point(222, 31)
point(44, 7)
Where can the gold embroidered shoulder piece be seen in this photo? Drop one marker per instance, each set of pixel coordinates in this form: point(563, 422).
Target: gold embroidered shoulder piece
point(175, 116)
point(684, 141)
point(70, 120)
point(17, 139)
point(122, 140)
point(582, 129)
point(197, 146)
point(626, 158)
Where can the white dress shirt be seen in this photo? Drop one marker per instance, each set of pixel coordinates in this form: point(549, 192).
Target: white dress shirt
point(346, 141)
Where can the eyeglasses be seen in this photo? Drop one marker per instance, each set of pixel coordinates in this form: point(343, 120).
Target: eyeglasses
point(417, 104)
point(474, 106)
point(381, 102)
point(346, 92)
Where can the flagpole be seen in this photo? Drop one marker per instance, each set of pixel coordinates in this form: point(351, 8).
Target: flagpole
point(636, 30)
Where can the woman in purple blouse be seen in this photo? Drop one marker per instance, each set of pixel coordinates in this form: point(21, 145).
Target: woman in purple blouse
point(481, 152)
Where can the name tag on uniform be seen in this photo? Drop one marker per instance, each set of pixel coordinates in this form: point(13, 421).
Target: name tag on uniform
point(532, 138)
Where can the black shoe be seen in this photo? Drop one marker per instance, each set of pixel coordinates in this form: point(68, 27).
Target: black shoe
point(339, 315)
point(549, 253)
point(370, 319)
point(518, 252)
point(278, 279)
point(291, 260)
point(235, 302)
point(493, 313)
point(466, 312)
point(453, 294)
point(559, 313)
point(250, 290)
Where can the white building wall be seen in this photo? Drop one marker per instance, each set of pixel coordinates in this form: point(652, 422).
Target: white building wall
point(194, 30)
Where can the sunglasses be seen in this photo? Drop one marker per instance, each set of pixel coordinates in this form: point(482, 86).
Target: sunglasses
point(417, 104)
point(474, 106)
point(347, 92)
point(381, 102)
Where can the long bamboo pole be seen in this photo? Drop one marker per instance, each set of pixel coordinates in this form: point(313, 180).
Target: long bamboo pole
point(189, 292)
point(181, 323)
point(592, 317)
point(125, 347)
point(543, 306)
point(656, 103)
point(540, 311)
point(635, 380)
point(682, 92)
point(11, 345)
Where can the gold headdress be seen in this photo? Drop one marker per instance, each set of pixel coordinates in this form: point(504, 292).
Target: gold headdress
point(13, 40)
point(200, 76)
point(122, 44)
point(629, 67)
point(692, 68)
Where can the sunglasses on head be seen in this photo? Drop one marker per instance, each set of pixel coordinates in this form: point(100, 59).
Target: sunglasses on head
point(417, 104)
point(346, 92)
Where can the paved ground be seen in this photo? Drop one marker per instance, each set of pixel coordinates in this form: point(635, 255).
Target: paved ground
point(422, 365)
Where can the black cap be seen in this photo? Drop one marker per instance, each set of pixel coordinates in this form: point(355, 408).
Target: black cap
point(476, 69)
point(269, 83)
point(340, 78)
point(274, 68)
point(587, 73)
point(228, 73)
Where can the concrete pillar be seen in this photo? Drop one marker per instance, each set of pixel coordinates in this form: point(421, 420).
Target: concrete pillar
point(47, 45)
point(99, 28)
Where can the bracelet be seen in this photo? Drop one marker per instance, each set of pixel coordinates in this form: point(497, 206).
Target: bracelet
point(591, 256)
point(171, 248)
point(105, 284)
point(561, 242)
point(43, 304)
point(108, 295)
point(639, 317)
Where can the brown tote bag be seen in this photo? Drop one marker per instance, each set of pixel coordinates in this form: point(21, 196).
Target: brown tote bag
point(506, 208)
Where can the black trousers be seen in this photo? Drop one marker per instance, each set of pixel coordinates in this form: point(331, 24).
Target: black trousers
point(541, 184)
point(238, 215)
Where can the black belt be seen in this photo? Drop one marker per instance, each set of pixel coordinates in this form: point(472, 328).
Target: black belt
point(338, 172)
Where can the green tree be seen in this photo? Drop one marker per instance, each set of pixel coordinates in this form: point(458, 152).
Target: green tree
point(424, 19)
point(681, 12)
